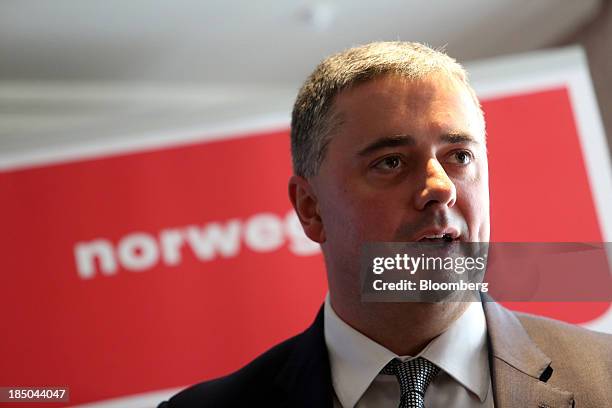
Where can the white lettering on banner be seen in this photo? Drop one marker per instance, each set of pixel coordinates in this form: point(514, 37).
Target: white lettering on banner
point(139, 251)
point(171, 241)
point(87, 252)
point(264, 233)
point(213, 238)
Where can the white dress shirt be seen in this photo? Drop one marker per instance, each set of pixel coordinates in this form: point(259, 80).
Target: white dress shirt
point(464, 380)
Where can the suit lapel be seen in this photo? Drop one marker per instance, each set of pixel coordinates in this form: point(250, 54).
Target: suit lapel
point(519, 369)
point(306, 378)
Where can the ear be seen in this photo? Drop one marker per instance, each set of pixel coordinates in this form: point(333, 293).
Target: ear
point(306, 206)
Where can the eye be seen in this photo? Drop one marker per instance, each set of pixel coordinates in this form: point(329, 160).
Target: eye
point(389, 163)
point(462, 157)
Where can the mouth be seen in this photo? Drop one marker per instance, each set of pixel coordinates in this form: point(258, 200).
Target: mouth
point(439, 235)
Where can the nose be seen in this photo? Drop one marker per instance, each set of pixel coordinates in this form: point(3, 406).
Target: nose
point(438, 187)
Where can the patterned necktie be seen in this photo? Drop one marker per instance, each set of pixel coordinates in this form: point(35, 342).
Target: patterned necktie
point(414, 377)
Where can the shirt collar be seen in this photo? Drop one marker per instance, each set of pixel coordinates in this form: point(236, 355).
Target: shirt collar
point(356, 360)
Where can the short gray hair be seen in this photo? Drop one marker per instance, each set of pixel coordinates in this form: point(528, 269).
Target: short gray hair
point(312, 120)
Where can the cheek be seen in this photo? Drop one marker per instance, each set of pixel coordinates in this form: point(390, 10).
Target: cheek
point(336, 211)
point(353, 213)
point(473, 202)
point(476, 188)
point(375, 218)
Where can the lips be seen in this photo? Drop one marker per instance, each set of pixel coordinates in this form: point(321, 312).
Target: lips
point(438, 235)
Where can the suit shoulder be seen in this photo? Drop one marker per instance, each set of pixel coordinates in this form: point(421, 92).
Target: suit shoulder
point(232, 390)
point(550, 330)
point(568, 344)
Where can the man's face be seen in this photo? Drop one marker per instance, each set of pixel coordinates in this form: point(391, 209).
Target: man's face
point(408, 162)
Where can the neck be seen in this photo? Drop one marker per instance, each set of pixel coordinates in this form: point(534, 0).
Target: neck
point(405, 328)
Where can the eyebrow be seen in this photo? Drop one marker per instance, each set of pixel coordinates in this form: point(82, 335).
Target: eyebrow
point(408, 140)
point(458, 137)
point(387, 141)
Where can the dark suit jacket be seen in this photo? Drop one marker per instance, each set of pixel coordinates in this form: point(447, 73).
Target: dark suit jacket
point(535, 362)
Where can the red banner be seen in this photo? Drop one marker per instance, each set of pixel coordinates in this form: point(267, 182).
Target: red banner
point(157, 269)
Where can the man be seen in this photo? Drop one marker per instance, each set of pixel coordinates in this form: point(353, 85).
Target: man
point(388, 144)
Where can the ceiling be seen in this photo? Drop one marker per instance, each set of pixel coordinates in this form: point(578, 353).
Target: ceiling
point(264, 41)
point(75, 71)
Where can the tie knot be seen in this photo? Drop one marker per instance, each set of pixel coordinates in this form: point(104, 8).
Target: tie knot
point(414, 376)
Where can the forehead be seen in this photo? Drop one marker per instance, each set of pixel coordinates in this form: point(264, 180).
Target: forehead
point(390, 103)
